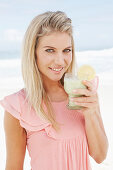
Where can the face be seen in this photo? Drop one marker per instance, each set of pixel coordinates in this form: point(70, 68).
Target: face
point(54, 55)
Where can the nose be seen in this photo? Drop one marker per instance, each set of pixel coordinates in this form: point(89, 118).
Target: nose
point(59, 59)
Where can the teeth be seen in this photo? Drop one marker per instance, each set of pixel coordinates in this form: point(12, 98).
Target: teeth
point(56, 69)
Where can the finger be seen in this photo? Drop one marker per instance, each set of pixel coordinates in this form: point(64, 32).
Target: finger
point(85, 92)
point(84, 99)
point(89, 85)
point(87, 105)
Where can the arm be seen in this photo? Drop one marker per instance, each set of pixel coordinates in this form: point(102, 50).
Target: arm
point(15, 137)
point(96, 136)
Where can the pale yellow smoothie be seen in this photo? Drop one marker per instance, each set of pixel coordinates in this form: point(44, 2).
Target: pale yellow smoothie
point(71, 82)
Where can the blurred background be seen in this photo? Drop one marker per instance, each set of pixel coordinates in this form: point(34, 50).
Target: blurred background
point(93, 35)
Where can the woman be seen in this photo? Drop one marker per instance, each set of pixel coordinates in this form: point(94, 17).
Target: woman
point(37, 117)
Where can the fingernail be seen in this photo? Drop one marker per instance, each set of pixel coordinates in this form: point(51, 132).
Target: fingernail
point(72, 99)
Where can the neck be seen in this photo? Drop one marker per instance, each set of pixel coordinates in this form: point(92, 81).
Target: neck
point(52, 87)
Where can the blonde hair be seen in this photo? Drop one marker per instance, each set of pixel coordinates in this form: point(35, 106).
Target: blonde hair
point(41, 25)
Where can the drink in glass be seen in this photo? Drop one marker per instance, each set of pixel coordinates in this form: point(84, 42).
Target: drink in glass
point(72, 82)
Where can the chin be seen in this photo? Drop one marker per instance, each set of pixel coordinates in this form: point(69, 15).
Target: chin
point(55, 78)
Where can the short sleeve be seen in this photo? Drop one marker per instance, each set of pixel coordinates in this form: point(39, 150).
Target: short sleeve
point(18, 107)
point(11, 104)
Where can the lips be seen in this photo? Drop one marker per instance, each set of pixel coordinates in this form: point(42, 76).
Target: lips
point(56, 67)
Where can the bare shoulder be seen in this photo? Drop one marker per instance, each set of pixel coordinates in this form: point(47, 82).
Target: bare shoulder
point(15, 137)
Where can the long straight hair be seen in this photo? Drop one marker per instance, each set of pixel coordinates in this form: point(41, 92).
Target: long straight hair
point(36, 95)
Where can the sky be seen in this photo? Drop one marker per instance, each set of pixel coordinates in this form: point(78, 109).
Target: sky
point(92, 21)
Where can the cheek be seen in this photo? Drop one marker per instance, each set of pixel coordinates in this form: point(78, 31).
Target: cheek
point(43, 60)
point(69, 59)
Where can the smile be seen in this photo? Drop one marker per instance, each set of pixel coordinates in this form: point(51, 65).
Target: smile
point(56, 70)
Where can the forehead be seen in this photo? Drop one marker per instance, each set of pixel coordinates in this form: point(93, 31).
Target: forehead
point(56, 39)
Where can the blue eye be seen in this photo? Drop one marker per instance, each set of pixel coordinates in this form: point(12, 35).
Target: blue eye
point(67, 50)
point(49, 50)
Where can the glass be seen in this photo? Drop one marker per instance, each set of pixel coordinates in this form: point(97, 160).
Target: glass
point(71, 82)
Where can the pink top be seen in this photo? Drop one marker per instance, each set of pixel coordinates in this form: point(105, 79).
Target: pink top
point(49, 150)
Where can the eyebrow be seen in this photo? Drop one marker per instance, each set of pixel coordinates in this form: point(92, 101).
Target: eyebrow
point(55, 48)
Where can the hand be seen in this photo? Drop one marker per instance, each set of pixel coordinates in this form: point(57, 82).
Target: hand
point(89, 99)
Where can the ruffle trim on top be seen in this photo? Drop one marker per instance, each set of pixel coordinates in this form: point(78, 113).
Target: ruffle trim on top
point(12, 108)
point(51, 132)
point(15, 104)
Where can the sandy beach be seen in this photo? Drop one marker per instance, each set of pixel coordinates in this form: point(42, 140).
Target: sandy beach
point(105, 93)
